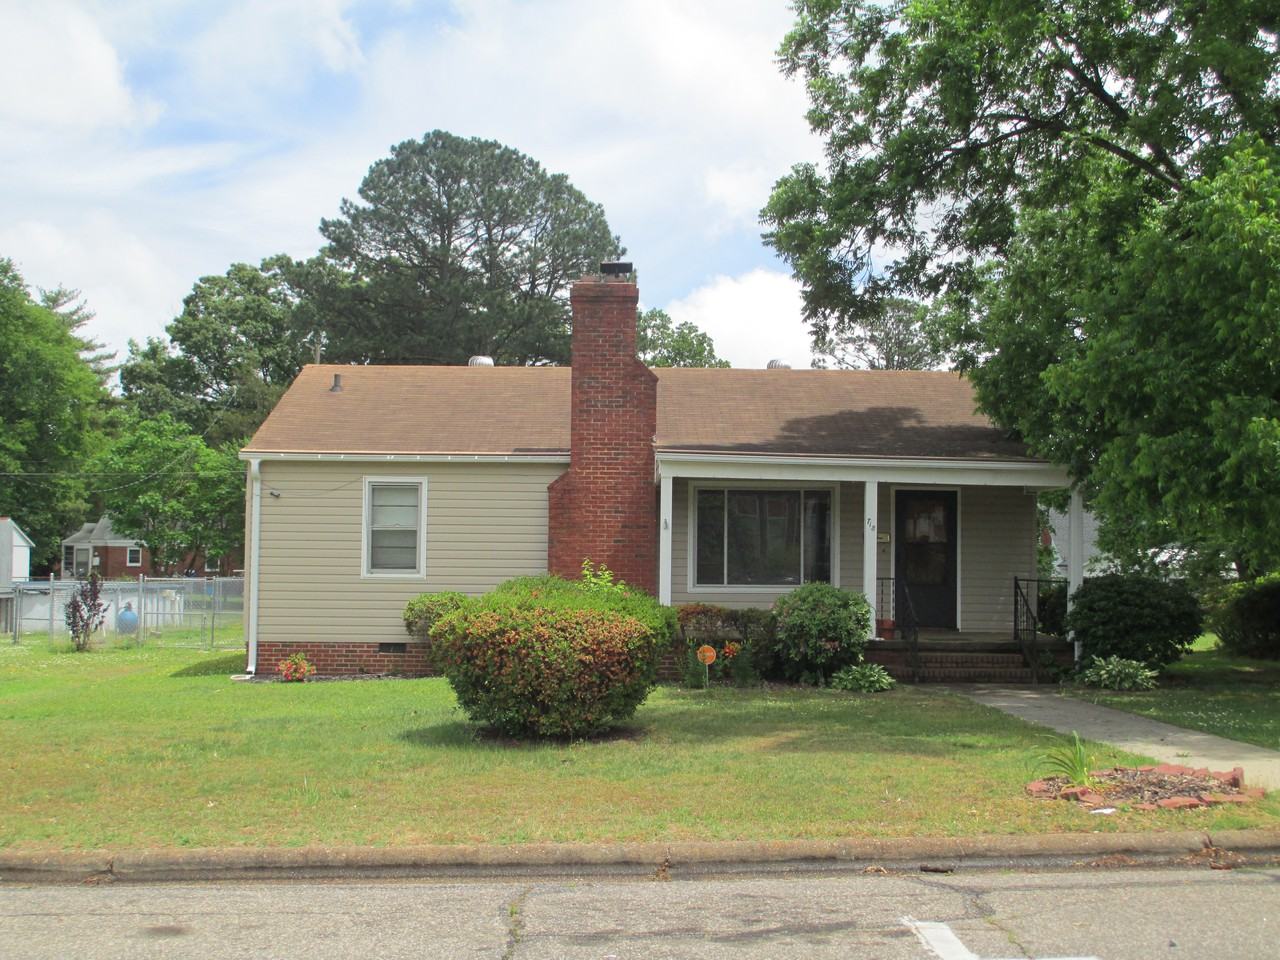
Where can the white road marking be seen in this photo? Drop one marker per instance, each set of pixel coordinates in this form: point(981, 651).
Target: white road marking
point(942, 943)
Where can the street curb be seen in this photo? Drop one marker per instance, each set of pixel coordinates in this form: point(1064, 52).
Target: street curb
point(654, 860)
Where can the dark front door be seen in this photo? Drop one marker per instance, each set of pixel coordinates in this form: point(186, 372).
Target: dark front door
point(925, 553)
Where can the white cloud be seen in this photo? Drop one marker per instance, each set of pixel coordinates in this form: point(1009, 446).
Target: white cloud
point(122, 275)
point(753, 318)
point(257, 50)
point(57, 70)
point(672, 115)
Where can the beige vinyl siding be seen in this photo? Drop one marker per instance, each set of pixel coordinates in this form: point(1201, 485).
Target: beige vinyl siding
point(997, 542)
point(486, 522)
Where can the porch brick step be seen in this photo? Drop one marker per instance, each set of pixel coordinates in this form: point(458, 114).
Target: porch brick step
point(1007, 660)
point(957, 674)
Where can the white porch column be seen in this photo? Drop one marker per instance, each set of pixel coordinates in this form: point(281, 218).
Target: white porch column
point(1075, 551)
point(664, 539)
point(870, 512)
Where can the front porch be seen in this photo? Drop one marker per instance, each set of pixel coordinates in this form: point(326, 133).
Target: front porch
point(944, 551)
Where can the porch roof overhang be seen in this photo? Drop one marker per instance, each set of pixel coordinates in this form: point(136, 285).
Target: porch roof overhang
point(1031, 474)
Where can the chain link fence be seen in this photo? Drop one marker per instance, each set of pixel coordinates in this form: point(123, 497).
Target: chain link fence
point(170, 611)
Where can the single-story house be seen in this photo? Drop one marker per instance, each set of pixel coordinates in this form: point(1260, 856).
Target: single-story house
point(368, 485)
point(96, 546)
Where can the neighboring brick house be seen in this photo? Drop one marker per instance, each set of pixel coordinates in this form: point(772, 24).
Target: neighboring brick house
point(96, 546)
point(368, 485)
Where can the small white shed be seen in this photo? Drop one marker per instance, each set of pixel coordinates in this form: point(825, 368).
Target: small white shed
point(15, 554)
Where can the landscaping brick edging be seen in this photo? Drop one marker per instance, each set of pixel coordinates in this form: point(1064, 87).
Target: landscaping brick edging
point(1232, 780)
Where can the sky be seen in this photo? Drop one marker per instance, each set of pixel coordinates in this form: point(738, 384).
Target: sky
point(147, 143)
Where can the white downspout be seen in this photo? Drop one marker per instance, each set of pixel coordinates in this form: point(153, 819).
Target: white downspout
point(255, 549)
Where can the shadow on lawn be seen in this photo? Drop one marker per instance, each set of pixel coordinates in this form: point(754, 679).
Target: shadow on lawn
point(217, 666)
point(461, 734)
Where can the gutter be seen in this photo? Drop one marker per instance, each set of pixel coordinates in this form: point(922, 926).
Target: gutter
point(255, 550)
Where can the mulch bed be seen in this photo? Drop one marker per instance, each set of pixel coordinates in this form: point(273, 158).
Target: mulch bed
point(1167, 786)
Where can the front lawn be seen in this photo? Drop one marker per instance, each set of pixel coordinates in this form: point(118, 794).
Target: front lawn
point(157, 747)
point(1210, 690)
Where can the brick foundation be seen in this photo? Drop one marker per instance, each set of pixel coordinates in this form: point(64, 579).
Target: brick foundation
point(345, 659)
point(604, 507)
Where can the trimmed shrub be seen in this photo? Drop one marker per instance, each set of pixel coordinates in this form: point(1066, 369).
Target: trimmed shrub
point(864, 678)
point(819, 629)
point(1051, 609)
point(738, 637)
point(1136, 618)
point(617, 597)
point(541, 656)
point(1117, 673)
point(1248, 621)
point(424, 610)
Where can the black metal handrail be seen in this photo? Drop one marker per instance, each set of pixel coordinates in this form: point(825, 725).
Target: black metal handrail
point(1026, 627)
point(910, 628)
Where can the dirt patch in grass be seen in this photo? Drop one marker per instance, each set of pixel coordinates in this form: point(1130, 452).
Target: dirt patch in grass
point(1148, 788)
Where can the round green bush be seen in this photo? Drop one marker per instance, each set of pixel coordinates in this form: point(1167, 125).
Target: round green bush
point(1051, 608)
point(819, 628)
point(424, 610)
point(1135, 618)
point(1248, 621)
point(551, 658)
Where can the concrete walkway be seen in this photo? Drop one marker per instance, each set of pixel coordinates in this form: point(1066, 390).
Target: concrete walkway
point(1128, 731)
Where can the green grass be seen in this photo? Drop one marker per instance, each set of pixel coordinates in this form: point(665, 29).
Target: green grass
point(1210, 690)
point(229, 634)
point(157, 747)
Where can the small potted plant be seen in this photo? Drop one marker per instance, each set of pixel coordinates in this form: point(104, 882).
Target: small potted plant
point(295, 668)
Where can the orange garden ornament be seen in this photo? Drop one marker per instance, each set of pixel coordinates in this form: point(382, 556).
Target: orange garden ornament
point(706, 657)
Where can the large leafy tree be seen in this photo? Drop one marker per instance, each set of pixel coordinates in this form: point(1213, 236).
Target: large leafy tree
point(456, 247)
point(51, 408)
point(165, 486)
point(898, 337)
point(661, 342)
point(1086, 192)
point(241, 338)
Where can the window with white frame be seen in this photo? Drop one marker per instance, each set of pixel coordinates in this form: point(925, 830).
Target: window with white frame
point(761, 538)
point(133, 557)
point(211, 564)
point(394, 524)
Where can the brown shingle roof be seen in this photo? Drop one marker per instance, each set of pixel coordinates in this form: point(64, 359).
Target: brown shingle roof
point(525, 411)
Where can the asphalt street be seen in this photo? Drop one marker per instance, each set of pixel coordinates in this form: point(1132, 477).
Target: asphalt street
point(1110, 914)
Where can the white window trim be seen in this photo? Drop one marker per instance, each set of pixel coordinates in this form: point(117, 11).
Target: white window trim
point(421, 572)
point(893, 536)
point(215, 561)
point(128, 552)
point(691, 527)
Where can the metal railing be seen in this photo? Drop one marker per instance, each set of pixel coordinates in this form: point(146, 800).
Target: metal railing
point(1039, 604)
point(893, 603)
point(170, 611)
point(1026, 627)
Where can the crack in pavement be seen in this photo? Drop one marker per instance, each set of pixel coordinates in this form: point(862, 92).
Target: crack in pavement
point(515, 922)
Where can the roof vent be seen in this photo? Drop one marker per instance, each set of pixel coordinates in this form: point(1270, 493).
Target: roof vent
point(337, 383)
point(480, 361)
point(616, 268)
point(777, 365)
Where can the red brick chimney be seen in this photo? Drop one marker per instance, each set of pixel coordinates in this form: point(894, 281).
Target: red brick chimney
point(604, 507)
